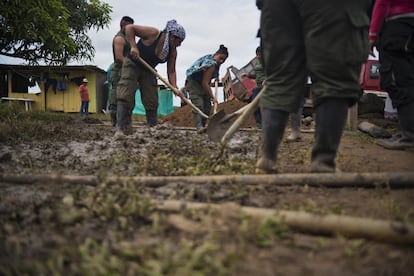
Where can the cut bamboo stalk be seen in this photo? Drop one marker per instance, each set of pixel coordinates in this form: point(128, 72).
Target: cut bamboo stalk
point(49, 178)
point(332, 180)
point(348, 226)
point(216, 96)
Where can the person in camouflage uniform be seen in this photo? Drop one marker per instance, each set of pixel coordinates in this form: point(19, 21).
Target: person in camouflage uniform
point(327, 39)
point(120, 49)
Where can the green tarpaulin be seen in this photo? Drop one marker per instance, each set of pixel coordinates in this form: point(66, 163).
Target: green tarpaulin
point(165, 100)
point(165, 103)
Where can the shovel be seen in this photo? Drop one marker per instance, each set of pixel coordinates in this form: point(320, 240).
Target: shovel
point(174, 90)
point(220, 121)
point(239, 121)
point(243, 117)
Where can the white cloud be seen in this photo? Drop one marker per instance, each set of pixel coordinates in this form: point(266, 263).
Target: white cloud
point(208, 24)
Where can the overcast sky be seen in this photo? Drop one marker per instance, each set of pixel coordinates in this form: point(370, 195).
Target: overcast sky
point(208, 24)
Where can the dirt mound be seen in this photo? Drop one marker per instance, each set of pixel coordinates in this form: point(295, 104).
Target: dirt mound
point(183, 116)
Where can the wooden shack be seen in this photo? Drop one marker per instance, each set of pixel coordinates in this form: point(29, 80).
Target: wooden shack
point(53, 88)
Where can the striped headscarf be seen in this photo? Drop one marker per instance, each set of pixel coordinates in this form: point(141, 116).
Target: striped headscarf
point(172, 28)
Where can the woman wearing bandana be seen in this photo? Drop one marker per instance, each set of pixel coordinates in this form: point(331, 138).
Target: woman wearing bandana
point(154, 47)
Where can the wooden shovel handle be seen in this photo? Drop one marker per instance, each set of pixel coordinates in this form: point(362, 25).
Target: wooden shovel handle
point(246, 112)
point(215, 95)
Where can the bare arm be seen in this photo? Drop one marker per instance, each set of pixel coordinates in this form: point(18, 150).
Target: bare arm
point(119, 44)
point(206, 82)
point(147, 34)
point(171, 72)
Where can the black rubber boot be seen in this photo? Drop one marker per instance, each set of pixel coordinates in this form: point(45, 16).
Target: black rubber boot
point(404, 138)
point(330, 119)
point(123, 122)
point(203, 121)
point(406, 119)
point(112, 112)
point(152, 117)
point(273, 128)
point(197, 121)
point(258, 118)
point(113, 119)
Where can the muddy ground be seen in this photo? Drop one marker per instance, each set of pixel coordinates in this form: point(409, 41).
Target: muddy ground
point(75, 228)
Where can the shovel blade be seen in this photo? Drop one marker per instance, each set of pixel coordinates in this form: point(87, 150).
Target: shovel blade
point(218, 125)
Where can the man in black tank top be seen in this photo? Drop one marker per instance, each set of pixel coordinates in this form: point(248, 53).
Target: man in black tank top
point(120, 49)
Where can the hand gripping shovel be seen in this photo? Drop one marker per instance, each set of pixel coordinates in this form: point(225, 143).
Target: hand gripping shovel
point(174, 90)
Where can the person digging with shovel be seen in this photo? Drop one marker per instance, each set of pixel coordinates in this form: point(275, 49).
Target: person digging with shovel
point(153, 47)
point(120, 49)
point(199, 77)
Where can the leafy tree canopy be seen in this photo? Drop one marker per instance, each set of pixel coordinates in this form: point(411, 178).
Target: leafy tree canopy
point(51, 31)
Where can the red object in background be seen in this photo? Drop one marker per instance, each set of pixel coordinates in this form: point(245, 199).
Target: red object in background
point(370, 76)
point(242, 87)
point(369, 79)
point(249, 84)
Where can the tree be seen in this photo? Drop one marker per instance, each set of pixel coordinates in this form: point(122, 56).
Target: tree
point(51, 31)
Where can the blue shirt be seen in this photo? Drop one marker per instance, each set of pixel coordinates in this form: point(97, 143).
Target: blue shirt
point(197, 69)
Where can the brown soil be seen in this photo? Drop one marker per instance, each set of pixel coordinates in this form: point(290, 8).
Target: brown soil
point(76, 229)
point(183, 117)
